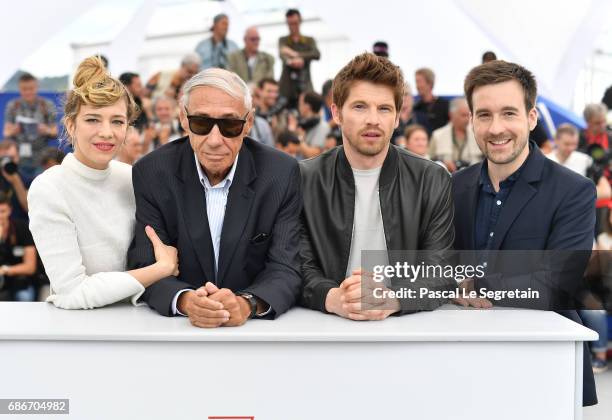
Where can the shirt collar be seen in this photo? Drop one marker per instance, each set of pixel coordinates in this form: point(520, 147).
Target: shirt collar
point(486, 181)
point(227, 181)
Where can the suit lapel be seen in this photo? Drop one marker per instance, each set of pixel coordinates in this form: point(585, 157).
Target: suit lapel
point(194, 214)
point(237, 210)
point(468, 200)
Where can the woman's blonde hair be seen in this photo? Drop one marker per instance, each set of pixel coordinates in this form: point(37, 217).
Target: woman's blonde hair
point(94, 86)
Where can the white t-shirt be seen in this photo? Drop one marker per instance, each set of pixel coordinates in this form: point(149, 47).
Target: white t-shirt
point(368, 231)
point(577, 161)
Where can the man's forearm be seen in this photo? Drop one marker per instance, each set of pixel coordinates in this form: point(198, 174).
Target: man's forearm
point(311, 54)
point(22, 194)
point(22, 269)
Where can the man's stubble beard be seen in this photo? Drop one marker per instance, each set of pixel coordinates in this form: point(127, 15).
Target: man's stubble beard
point(516, 151)
point(365, 150)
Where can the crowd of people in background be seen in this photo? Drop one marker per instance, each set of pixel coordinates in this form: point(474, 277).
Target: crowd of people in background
point(290, 115)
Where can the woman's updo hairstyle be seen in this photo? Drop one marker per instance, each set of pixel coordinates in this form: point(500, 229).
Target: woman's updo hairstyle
point(94, 86)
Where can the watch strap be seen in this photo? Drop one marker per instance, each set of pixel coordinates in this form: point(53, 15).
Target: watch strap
point(252, 302)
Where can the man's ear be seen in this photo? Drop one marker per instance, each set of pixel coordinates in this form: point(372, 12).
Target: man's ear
point(250, 120)
point(533, 118)
point(183, 119)
point(336, 114)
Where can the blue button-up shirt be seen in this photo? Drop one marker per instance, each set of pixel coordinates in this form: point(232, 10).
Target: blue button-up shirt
point(489, 206)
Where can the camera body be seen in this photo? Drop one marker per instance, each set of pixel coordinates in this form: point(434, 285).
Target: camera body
point(8, 165)
point(279, 106)
point(602, 162)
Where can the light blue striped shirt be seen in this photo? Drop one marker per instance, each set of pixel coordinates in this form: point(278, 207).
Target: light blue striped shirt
point(216, 200)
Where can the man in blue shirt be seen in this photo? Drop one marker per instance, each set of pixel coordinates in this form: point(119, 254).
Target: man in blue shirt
point(214, 50)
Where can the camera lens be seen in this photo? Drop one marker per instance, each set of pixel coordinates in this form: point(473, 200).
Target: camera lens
point(9, 166)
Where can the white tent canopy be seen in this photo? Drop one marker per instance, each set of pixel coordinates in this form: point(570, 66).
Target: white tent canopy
point(553, 38)
point(550, 37)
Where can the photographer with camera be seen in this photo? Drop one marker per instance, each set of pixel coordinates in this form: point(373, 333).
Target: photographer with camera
point(165, 125)
point(596, 132)
point(566, 154)
point(296, 52)
point(454, 144)
point(272, 107)
point(13, 181)
point(29, 120)
point(17, 257)
point(312, 129)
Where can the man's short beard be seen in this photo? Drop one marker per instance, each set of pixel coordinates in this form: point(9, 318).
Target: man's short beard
point(365, 150)
point(515, 153)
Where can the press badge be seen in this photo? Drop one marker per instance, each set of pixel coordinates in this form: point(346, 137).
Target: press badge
point(25, 150)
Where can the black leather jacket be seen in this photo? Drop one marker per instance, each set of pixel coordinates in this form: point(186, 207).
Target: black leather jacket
point(416, 205)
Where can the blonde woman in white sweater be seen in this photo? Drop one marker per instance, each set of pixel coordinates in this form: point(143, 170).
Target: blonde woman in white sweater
point(82, 211)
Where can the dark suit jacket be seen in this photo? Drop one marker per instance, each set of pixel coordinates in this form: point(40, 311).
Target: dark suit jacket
point(549, 208)
point(260, 237)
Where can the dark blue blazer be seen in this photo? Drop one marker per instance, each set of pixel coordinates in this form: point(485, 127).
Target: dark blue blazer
point(549, 208)
point(259, 250)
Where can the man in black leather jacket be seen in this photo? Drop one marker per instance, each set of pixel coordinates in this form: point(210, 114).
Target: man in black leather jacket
point(368, 195)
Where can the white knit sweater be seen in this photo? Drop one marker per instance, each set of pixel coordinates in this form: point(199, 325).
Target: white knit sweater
point(82, 221)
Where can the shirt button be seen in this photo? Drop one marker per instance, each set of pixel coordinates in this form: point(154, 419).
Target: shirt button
point(491, 234)
point(499, 202)
point(484, 264)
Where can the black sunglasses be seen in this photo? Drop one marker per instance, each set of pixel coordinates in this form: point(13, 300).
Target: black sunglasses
point(229, 127)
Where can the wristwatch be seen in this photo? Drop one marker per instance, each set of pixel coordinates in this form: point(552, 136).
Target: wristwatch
point(252, 302)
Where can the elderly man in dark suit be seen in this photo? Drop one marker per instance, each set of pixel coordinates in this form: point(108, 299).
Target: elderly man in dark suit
point(517, 199)
point(228, 204)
